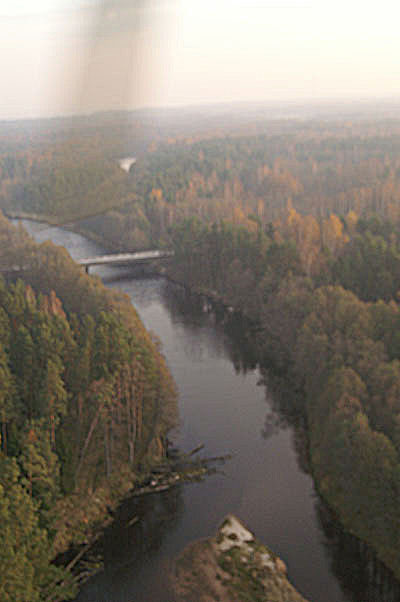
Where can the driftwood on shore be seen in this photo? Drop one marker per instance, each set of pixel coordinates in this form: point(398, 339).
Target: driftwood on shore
point(178, 468)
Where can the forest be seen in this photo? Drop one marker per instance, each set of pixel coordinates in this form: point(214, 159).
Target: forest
point(86, 401)
point(334, 335)
point(294, 223)
point(321, 167)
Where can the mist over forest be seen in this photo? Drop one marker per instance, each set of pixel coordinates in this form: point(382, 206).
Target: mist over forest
point(287, 214)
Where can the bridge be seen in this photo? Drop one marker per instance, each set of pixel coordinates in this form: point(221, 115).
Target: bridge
point(123, 259)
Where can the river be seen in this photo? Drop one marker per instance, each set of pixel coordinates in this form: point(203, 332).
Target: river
point(224, 406)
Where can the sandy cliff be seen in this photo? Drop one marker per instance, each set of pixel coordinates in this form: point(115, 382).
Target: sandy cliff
point(231, 567)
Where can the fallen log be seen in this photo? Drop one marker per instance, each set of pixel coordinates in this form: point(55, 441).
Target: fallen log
point(195, 451)
point(164, 476)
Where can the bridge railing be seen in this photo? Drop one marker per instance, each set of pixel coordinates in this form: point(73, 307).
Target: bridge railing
point(124, 258)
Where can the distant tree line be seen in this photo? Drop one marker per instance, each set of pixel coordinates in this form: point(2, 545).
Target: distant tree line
point(320, 168)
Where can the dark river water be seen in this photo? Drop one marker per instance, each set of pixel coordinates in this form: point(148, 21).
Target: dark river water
point(223, 405)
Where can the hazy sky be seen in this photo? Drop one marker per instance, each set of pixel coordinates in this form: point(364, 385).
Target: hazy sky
point(68, 56)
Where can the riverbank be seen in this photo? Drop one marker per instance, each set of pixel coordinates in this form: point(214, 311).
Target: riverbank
point(99, 389)
point(310, 457)
point(57, 222)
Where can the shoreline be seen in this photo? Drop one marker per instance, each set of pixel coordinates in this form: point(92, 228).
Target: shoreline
point(231, 565)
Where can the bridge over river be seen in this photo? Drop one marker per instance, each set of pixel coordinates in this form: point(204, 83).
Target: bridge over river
point(118, 259)
point(140, 257)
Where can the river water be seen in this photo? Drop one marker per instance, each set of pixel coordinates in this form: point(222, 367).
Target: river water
point(224, 406)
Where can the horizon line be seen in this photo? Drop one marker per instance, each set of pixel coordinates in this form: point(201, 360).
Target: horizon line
point(285, 102)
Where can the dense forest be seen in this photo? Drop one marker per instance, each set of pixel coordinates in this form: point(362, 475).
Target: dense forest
point(85, 404)
point(334, 335)
point(293, 222)
point(235, 174)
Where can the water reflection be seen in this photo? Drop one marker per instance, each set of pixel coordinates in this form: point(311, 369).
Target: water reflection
point(231, 334)
point(131, 549)
point(360, 574)
point(286, 410)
